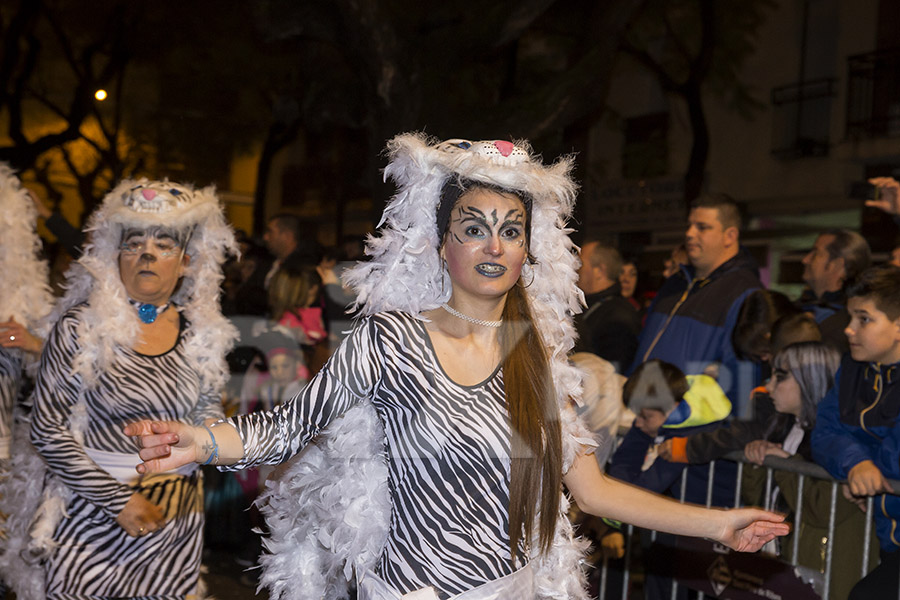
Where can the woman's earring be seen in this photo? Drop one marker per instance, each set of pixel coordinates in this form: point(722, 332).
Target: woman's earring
point(527, 269)
point(443, 270)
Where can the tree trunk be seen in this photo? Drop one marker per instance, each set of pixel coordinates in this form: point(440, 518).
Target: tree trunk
point(695, 175)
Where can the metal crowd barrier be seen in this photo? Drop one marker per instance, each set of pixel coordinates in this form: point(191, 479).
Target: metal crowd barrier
point(804, 470)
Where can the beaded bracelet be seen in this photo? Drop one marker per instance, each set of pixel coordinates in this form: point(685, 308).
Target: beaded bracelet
point(214, 455)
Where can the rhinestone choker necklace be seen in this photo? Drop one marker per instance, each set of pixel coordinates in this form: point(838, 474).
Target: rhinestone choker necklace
point(147, 312)
point(481, 322)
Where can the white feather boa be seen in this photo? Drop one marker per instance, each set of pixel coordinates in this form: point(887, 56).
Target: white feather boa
point(32, 510)
point(24, 293)
point(328, 515)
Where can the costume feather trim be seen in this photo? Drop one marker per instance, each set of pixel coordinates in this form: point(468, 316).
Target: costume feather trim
point(22, 496)
point(24, 295)
point(328, 514)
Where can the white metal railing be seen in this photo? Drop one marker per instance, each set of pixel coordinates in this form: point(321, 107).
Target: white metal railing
point(804, 471)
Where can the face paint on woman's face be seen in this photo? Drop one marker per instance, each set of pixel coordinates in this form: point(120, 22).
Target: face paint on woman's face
point(150, 265)
point(485, 245)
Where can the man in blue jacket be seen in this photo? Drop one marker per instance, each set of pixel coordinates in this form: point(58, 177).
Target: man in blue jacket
point(690, 322)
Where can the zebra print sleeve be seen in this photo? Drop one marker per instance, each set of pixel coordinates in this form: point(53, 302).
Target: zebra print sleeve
point(271, 437)
point(209, 406)
point(56, 393)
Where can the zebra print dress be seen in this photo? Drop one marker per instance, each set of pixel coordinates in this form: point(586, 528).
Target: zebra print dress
point(94, 556)
point(448, 448)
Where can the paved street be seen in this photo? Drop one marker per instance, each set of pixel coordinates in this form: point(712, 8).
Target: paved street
point(229, 580)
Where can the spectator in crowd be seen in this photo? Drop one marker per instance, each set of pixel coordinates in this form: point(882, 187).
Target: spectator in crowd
point(245, 292)
point(677, 259)
point(836, 259)
point(70, 238)
point(604, 413)
point(628, 279)
point(295, 308)
point(895, 256)
point(804, 372)
point(285, 379)
point(609, 326)
point(286, 239)
point(752, 334)
point(857, 434)
point(276, 372)
point(338, 298)
point(602, 409)
point(292, 298)
point(691, 319)
point(668, 403)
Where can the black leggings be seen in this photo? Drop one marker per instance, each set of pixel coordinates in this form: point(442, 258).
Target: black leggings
point(882, 582)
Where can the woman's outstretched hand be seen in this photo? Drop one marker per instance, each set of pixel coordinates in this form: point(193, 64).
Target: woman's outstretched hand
point(748, 529)
point(166, 445)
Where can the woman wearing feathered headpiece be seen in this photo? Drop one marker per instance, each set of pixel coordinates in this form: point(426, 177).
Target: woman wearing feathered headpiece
point(139, 332)
point(461, 351)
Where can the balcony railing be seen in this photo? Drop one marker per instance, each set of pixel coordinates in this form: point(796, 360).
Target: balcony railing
point(873, 94)
point(801, 118)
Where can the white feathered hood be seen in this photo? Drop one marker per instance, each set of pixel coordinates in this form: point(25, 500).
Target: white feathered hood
point(110, 322)
point(24, 295)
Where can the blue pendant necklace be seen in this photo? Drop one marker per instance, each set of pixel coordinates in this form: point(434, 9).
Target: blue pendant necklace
point(148, 312)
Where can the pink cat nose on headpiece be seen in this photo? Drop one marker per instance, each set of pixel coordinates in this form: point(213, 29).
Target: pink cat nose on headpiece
point(148, 194)
point(504, 147)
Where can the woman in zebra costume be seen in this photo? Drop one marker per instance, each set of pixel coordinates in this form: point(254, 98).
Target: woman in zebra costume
point(467, 307)
point(139, 332)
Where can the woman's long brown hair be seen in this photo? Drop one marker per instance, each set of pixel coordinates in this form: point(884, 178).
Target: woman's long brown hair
point(536, 445)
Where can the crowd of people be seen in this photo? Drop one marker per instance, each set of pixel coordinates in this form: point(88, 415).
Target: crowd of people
point(410, 413)
point(722, 364)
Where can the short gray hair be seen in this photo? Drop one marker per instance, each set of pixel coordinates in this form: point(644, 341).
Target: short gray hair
point(606, 256)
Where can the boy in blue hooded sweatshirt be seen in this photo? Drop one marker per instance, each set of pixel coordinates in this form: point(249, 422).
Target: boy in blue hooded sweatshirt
point(857, 433)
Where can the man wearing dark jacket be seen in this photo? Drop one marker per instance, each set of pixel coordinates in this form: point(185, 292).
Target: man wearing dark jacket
point(609, 326)
point(835, 261)
point(691, 319)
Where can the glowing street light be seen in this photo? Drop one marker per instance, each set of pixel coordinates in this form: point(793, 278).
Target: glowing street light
point(100, 95)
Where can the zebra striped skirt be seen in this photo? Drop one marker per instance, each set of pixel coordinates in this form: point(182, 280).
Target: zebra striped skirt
point(95, 557)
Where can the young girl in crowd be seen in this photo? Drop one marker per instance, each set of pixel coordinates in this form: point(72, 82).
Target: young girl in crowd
point(285, 378)
point(292, 296)
point(802, 373)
